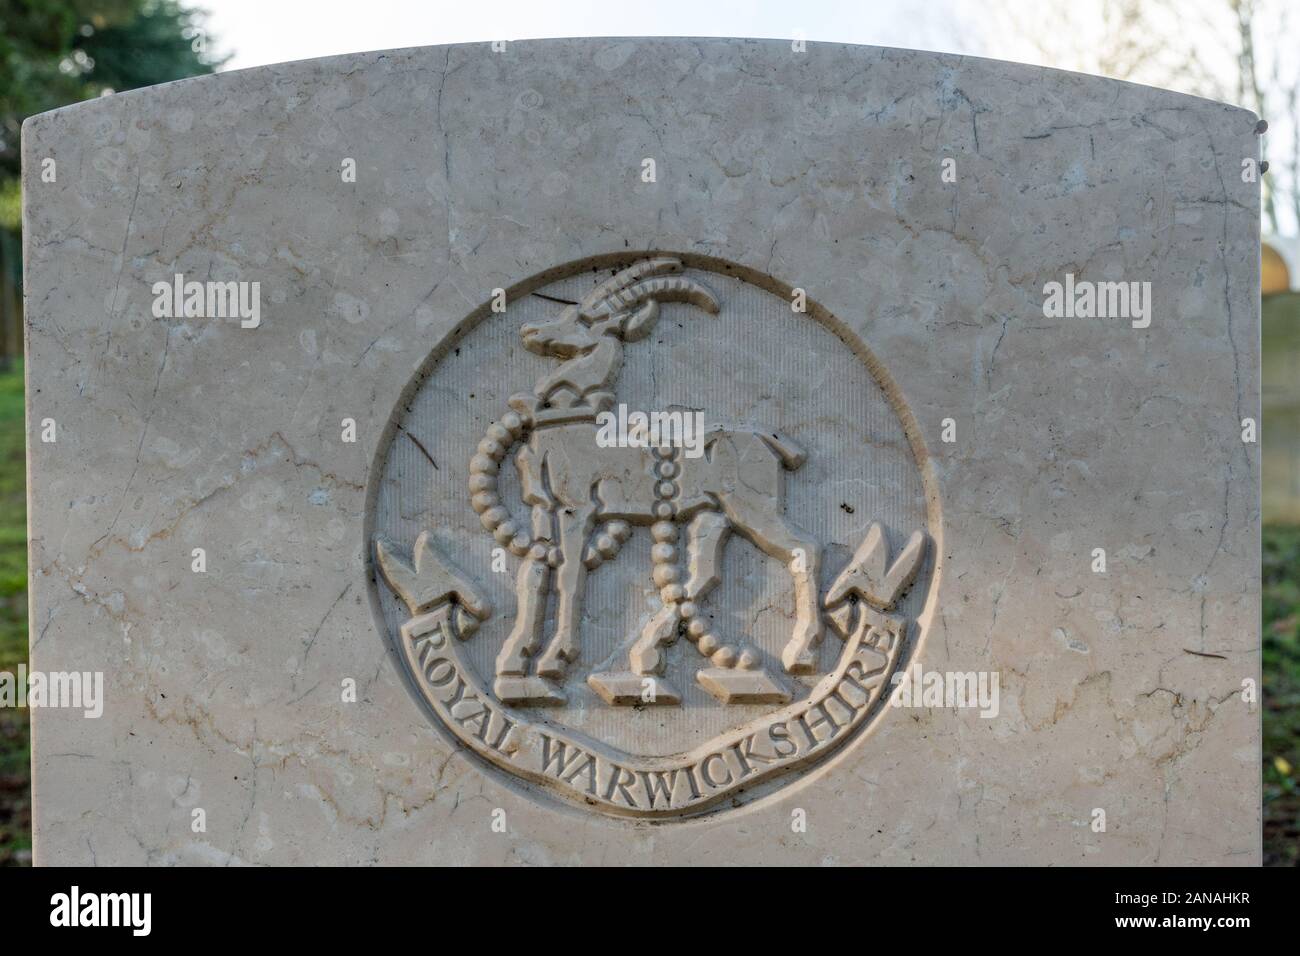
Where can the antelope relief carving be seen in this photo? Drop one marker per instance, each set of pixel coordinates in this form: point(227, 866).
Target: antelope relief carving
point(585, 500)
point(588, 486)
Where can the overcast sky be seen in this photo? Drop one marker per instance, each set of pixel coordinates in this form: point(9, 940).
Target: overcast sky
point(272, 31)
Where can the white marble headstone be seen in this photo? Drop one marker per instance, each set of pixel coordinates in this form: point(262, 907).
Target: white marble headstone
point(948, 551)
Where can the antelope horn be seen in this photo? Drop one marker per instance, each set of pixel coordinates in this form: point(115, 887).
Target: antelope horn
point(661, 289)
point(592, 301)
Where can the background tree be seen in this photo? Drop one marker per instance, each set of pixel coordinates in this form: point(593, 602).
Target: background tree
point(1238, 51)
point(56, 52)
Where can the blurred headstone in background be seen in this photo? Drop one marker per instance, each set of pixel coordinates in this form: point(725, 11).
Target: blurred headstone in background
point(1280, 260)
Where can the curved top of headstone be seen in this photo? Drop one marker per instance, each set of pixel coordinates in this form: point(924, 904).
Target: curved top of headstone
point(564, 117)
point(643, 58)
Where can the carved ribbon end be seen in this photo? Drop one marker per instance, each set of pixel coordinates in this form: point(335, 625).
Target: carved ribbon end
point(871, 578)
point(427, 579)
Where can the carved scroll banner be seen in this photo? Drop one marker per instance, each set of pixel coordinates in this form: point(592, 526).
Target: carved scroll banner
point(626, 783)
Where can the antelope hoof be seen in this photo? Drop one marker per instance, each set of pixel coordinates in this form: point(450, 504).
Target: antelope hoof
point(799, 661)
point(527, 692)
point(516, 665)
point(800, 655)
point(552, 665)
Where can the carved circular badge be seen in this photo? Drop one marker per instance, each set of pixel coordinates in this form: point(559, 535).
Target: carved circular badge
point(652, 535)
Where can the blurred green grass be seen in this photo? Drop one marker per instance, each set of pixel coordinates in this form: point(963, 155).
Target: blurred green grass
point(15, 751)
point(1281, 694)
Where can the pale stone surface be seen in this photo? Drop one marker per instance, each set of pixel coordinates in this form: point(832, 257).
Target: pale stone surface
point(522, 170)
